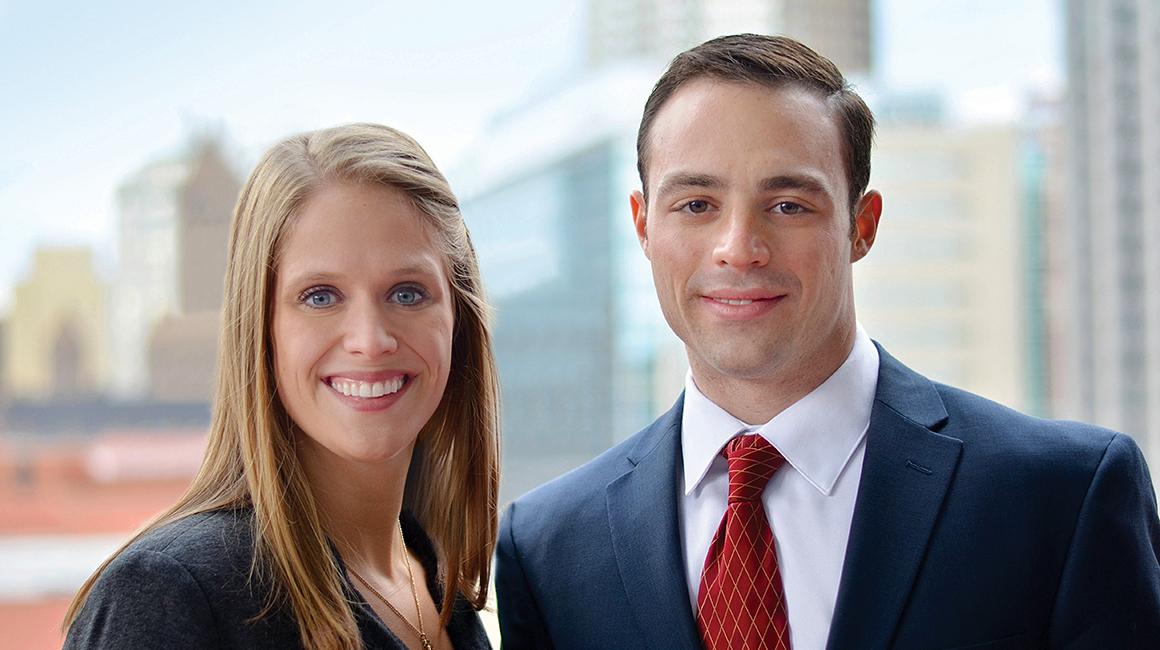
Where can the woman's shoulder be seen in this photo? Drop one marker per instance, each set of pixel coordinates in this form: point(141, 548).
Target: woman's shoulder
point(212, 549)
point(214, 538)
point(189, 582)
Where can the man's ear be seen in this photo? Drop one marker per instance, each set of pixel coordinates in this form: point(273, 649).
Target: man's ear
point(640, 219)
point(866, 217)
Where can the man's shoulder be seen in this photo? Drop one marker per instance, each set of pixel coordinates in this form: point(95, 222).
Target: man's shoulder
point(987, 427)
point(586, 482)
point(580, 494)
point(999, 440)
point(980, 420)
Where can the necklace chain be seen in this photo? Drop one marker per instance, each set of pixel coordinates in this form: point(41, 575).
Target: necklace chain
point(426, 643)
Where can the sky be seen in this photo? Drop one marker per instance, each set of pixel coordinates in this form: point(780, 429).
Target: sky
point(92, 92)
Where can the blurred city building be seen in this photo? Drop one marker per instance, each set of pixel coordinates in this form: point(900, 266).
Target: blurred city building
point(1046, 259)
point(91, 448)
point(1113, 217)
point(54, 344)
point(3, 365)
point(584, 355)
point(620, 30)
point(183, 357)
point(174, 228)
point(943, 288)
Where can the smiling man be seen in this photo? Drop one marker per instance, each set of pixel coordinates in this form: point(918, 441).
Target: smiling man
point(808, 490)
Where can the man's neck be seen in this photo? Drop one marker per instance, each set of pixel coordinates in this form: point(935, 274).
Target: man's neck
point(760, 399)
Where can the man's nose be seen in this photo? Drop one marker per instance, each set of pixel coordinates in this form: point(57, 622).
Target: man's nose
point(742, 241)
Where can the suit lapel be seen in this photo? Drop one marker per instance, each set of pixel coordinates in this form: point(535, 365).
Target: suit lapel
point(907, 471)
point(642, 517)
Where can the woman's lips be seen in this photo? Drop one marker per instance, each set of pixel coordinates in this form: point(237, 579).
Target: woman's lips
point(368, 391)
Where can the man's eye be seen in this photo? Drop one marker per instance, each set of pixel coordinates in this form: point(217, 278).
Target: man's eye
point(408, 296)
point(789, 207)
point(697, 206)
point(318, 297)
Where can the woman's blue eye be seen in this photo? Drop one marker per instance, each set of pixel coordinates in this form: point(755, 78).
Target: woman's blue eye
point(318, 298)
point(408, 296)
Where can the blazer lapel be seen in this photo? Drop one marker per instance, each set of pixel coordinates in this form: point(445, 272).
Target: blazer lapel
point(907, 471)
point(642, 516)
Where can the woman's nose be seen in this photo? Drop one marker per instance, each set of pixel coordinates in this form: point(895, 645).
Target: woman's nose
point(368, 332)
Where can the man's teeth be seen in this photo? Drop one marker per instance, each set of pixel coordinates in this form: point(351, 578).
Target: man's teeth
point(352, 388)
point(734, 302)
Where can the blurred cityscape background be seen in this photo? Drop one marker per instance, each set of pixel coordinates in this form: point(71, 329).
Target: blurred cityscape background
point(1019, 254)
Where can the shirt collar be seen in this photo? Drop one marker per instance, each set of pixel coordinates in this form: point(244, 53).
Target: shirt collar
point(818, 434)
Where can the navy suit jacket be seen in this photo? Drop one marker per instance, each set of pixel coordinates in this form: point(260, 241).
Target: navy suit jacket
point(974, 526)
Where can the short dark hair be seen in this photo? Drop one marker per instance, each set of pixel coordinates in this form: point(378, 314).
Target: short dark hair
point(771, 61)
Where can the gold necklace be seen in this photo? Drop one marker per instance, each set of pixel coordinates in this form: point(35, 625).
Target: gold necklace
point(423, 640)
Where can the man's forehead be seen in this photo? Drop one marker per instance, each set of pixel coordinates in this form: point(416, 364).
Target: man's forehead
point(710, 122)
point(708, 96)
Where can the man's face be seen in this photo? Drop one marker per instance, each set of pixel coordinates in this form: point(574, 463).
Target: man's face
point(747, 227)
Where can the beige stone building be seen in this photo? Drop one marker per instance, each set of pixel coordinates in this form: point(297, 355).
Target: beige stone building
point(54, 343)
point(943, 286)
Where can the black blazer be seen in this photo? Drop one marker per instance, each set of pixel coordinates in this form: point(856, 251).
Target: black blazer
point(974, 526)
point(188, 585)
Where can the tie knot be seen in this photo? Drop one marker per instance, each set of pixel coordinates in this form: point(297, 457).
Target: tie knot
point(752, 462)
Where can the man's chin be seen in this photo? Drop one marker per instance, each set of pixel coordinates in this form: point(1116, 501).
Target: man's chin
point(762, 365)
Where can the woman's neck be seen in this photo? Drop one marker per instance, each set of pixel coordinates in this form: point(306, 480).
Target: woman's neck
point(359, 504)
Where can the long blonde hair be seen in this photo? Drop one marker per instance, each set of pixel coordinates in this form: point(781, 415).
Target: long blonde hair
point(250, 460)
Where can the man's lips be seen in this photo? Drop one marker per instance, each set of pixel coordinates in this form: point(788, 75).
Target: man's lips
point(742, 297)
point(741, 305)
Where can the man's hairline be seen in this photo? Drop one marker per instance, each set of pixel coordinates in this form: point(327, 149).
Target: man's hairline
point(829, 100)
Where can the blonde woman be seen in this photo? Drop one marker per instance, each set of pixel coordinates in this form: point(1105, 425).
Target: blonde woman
point(347, 495)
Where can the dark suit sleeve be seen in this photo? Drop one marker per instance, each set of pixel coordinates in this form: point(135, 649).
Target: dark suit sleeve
point(520, 622)
point(1109, 595)
point(144, 599)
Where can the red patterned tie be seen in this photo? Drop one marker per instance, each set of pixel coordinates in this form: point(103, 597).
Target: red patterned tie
point(741, 604)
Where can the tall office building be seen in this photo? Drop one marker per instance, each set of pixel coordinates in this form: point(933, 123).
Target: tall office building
point(621, 30)
point(584, 355)
point(1046, 260)
point(1113, 221)
point(174, 227)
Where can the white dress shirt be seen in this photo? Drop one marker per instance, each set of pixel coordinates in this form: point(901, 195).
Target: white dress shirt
point(809, 502)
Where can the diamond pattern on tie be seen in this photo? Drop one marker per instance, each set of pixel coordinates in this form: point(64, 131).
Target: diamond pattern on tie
point(741, 604)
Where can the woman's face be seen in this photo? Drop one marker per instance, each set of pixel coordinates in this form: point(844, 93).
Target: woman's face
point(362, 324)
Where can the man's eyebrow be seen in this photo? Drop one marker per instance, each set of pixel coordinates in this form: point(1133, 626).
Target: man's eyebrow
point(793, 182)
point(685, 180)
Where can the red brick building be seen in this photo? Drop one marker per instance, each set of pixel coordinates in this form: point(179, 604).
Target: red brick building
point(65, 503)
